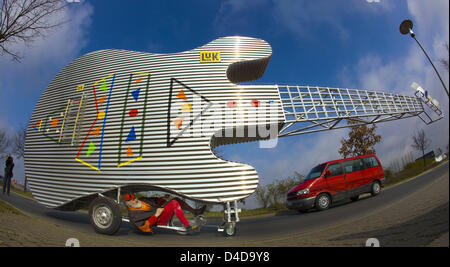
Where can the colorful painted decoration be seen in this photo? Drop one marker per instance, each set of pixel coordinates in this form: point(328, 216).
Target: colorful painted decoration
point(129, 151)
point(37, 126)
point(133, 119)
point(104, 87)
point(231, 104)
point(133, 113)
point(182, 95)
point(80, 88)
point(181, 114)
point(131, 135)
point(96, 132)
point(136, 94)
point(102, 91)
point(55, 122)
point(178, 122)
point(100, 102)
point(255, 103)
point(90, 149)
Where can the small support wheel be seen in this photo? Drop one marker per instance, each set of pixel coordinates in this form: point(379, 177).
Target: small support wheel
point(230, 229)
point(105, 216)
point(200, 220)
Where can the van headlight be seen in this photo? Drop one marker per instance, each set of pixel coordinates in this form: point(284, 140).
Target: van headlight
point(303, 192)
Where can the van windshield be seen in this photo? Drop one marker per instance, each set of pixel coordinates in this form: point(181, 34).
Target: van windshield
point(315, 172)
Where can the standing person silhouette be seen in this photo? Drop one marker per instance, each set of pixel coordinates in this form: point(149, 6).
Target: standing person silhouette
point(9, 166)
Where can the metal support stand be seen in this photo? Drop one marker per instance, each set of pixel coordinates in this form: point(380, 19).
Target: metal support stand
point(231, 217)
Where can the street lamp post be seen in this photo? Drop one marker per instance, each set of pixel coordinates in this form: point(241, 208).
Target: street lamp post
point(405, 28)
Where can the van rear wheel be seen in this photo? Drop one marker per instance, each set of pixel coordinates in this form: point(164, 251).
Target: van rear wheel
point(323, 201)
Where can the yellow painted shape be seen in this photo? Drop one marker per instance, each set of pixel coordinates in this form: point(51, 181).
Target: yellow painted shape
point(186, 107)
point(76, 120)
point(101, 115)
point(143, 73)
point(103, 79)
point(128, 162)
point(64, 120)
point(87, 164)
point(80, 88)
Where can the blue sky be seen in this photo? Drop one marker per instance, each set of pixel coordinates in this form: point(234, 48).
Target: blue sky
point(345, 43)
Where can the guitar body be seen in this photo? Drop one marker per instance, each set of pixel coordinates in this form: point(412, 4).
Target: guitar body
point(117, 118)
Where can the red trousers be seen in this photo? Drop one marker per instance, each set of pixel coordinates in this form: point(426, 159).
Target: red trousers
point(172, 207)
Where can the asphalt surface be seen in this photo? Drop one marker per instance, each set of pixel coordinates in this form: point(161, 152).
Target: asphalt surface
point(251, 229)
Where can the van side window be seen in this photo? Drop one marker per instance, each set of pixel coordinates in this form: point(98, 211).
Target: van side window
point(370, 162)
point(353, 165)
point(335, 169)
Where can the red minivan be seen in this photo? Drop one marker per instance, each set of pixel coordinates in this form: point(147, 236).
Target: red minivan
point(337, 180)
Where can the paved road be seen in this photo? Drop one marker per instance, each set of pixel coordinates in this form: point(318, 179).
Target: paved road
point(260, 228)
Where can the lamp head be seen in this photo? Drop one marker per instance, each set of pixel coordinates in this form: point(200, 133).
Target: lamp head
point(406, 26)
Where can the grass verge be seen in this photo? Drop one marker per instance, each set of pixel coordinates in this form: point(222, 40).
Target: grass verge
point(5, 208)
point(18, 190)
point(411, 170)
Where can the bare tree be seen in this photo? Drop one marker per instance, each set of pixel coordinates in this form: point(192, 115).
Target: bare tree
point(18, 147)
point(25, 20)
point(262, 196)
point(18, 142)
point(421, 143)
point(4, 143)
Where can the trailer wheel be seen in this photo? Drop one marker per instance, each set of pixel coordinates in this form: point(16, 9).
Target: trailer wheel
point(105, 216)
point(230, 229)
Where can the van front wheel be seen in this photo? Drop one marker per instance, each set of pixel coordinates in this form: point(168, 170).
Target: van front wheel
point(323, 201)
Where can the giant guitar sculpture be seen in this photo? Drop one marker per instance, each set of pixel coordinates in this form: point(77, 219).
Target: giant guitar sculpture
point(114, 121)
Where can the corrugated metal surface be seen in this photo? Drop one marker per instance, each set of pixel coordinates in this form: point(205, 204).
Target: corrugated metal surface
point(116, 117)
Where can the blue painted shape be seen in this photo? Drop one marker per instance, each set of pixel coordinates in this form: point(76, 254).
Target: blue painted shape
point(104, 122)
point(135, 94)
point(131, 135)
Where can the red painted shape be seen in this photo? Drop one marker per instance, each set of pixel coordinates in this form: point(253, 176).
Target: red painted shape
point(133, 113)
point(231, 104)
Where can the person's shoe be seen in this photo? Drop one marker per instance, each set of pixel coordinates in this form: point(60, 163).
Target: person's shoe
point(200, 210)
point(191, 229)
